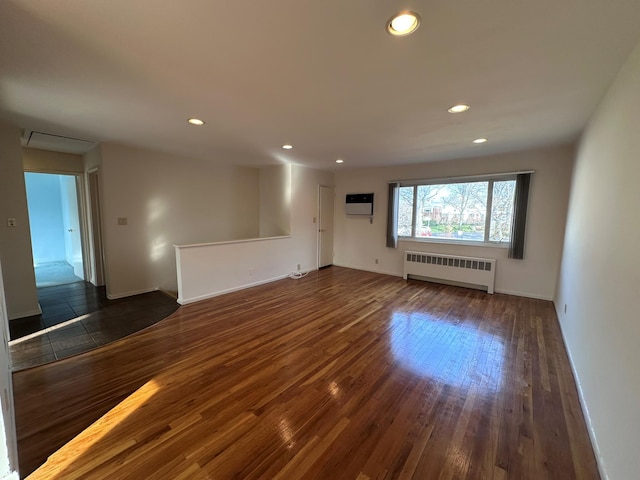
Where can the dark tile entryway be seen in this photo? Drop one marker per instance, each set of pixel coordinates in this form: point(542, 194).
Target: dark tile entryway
point(79, 317)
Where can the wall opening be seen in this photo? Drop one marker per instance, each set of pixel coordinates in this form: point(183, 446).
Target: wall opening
point(56, 236)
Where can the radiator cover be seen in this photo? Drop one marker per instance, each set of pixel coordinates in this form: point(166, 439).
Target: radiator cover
point(452, 268)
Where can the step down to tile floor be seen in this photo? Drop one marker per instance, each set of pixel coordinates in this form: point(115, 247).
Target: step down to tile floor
point(77, 318)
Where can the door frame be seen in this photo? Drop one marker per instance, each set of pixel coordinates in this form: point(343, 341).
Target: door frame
point(94, 230)
point(82, 213)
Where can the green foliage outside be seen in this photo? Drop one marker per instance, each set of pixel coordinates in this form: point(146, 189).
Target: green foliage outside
point(448, 228)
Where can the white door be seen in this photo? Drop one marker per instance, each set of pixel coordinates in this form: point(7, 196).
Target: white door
point(71, 216)
point(325, 226)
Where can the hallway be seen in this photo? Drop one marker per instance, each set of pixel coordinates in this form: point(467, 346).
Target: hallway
point(50, 274)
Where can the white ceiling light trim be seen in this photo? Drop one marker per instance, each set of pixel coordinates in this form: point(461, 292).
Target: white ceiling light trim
point(403, 23)
point(196, 121)
point(459, 108)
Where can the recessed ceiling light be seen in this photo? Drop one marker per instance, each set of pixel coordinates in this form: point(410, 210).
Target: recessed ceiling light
point(403, 23)
point(480, 140)
point(196, 121)
point(339, 160)
point(287, 147)
point(458, 109)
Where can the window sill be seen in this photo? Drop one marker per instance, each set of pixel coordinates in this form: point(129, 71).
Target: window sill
point(447, 241)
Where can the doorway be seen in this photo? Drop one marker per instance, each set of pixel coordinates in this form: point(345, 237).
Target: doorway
point(325, 226)
point(55, 223)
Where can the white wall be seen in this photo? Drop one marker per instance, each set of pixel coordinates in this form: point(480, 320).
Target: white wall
point(15, 242)
point(600, 280)
point(358, 243)
point(72, 221)
point(210, 270)
point(8, 440)
point(304, 213)
point(93, 158)
point(275, 200)
point(35, 160)
point(45, 217)
point(167, 200)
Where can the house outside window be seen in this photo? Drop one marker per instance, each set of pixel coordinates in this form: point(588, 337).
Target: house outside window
point(458, 211)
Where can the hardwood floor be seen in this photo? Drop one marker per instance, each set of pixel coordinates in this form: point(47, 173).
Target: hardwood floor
point(340, 375)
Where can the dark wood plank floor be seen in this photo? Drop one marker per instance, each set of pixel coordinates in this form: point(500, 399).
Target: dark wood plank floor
point(340, 375)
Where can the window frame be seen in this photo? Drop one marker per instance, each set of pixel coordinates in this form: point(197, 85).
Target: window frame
point(489, 179)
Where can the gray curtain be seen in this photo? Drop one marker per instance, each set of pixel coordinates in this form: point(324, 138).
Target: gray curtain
point(519, 221)
point(392, 215)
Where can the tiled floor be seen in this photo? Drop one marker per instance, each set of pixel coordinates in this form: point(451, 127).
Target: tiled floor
point(77, 318)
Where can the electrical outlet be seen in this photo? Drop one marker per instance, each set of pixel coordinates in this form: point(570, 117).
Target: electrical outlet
point(251, 272)
point(11, 222)
point(376, 261)
point(122, 221)
point(298, 267)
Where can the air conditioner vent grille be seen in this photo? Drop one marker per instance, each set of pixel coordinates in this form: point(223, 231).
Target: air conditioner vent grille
point(56, 143)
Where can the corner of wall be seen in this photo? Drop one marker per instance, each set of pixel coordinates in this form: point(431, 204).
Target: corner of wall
point(15, 242)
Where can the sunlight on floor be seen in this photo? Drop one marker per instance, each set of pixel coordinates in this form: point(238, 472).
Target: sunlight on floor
point(50, 329)
point(456, 354)
point(85, 441)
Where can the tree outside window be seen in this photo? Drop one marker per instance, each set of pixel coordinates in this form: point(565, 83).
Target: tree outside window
point(458, 211)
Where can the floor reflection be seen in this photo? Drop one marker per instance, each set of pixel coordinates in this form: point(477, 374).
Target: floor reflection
point(447, 350)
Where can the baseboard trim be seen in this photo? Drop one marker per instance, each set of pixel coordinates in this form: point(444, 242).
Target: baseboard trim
point(169, 293)
point(28, 313)
point(187, 301)
point(111, 296)
point(524, 294)
point(583, 404)
point(383, 272)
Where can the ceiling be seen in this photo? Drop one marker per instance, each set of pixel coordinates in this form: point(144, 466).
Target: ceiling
point(321, 75)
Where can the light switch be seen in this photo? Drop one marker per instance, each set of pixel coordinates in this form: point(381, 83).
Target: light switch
point(11, 222)
point(122, 220)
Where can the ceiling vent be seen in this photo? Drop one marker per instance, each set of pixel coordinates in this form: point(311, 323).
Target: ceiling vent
point(56, 143)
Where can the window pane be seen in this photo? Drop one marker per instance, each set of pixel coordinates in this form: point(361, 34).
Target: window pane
point(405, 211)
point(429, 209)
point(454, 211)
point(502, 211)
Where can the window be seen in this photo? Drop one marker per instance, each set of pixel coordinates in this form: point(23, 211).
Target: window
point(470, 211)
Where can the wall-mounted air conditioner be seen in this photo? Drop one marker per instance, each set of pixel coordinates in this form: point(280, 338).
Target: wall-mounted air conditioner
point(359, 204)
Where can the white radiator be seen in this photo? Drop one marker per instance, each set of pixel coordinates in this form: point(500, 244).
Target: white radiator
point(434, 266)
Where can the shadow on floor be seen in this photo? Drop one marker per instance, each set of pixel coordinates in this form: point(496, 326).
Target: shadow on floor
point(79, 317)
